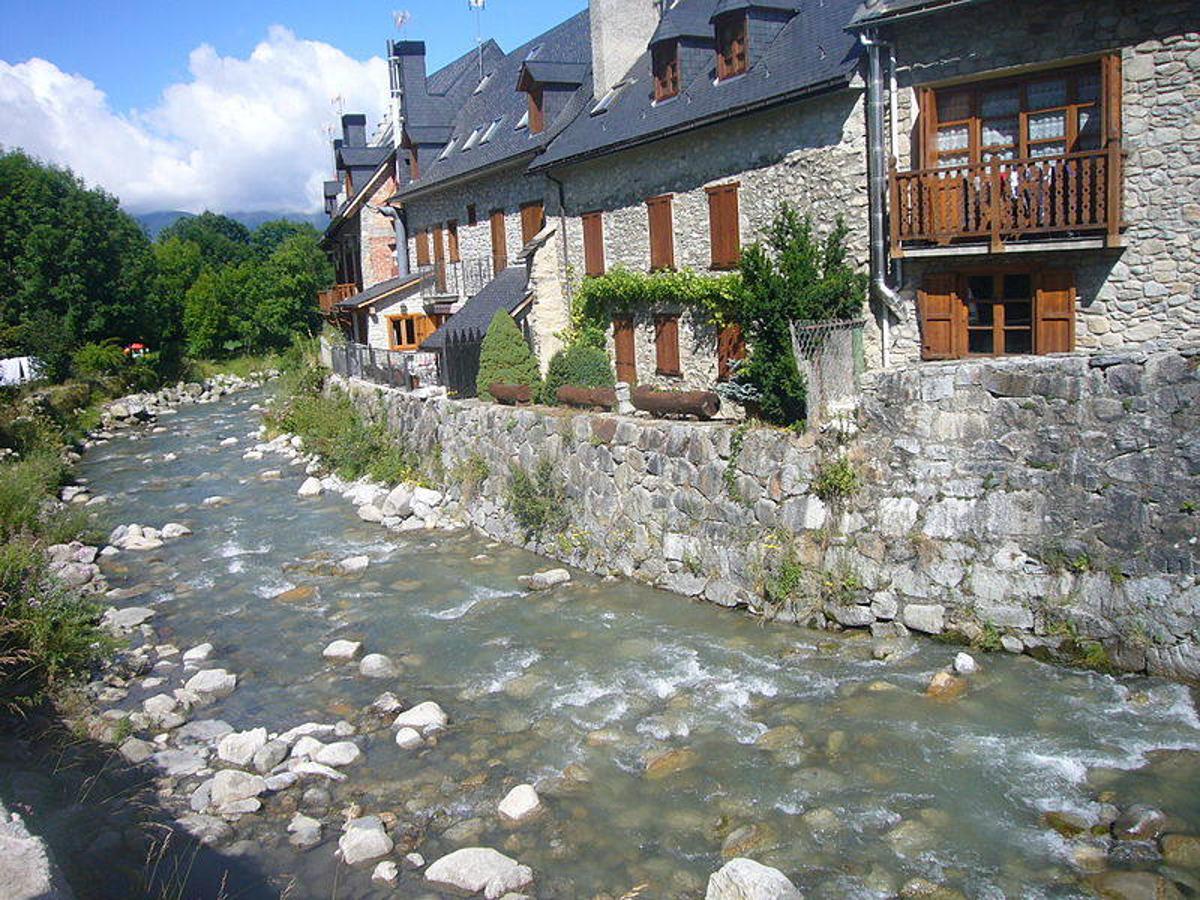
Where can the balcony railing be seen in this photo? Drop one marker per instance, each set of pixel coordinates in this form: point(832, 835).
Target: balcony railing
point(327, 300)
point(1074, 194)
point(463, 279)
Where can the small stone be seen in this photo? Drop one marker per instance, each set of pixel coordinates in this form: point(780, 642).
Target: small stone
point(520, 805)
point(342, 651)
point(136, 751)
point(424, 717)
point(376, 665)
point(1182, 850)
point(745, 879)
point(386, 873)
point(173, 530)
point(1066, 823)
point(364, 840)
point(231, 786)
point(342, 753)
point(312, 487)
point(408, 739)
point(269, 756)
point(944, 686)
point(198, 654)
point(352, 565)
point(1012, 644)
point(414, 861)
point(212, 685)
point(964, 664)
point(543, 581)
point(670, 762)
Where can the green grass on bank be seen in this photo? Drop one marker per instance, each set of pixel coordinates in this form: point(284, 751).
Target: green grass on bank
point(241, 366)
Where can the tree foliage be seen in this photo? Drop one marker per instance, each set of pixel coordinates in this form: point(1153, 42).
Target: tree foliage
point(579, 365)
point(222, 241)
point(505, 357)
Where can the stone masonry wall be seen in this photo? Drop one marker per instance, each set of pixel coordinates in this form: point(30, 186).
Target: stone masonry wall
point(378, 237)
point(1146, 296)
point(1048, 501)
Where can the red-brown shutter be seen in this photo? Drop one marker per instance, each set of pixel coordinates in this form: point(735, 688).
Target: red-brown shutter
point(938, 302)
point(422, 248)
point(662, 233)
point(623, 343)
point(1054, 311)
point(666, 345)
point(452, 239)
point(499, 242)
point(731, 345)
point(724, 228)
point(593, 243)
point(533, 220)
point(439, 258)
point(537, 118)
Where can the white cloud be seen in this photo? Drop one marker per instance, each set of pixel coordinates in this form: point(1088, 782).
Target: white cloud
point(242, 134)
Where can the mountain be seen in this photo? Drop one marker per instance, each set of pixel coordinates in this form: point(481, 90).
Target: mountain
point(155, 222)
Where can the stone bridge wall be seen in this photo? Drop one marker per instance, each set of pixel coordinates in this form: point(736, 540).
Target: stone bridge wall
point(1051, 502)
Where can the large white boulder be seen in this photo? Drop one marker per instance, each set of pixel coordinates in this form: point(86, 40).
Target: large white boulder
point(376, 665)
point(399, 502)
point(543, 581)
point(238, 749)
point(363, 841)
point(520, 805)
point(339, 754)
point(342, 651)
point(312, 487)
point(475, 869)
point(212, 685)
point(231, 786)
point(352, 565)
point(424, 718)
point(745, 879)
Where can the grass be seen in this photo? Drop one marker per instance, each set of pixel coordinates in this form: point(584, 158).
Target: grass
point(241, 366)
point(537, 501)
point(469, 473)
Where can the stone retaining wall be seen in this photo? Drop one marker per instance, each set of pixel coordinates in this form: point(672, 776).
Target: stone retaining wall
point(1049, 502)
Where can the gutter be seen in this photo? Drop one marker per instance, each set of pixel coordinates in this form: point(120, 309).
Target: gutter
point(889, 18)
point(813, 90)
point(470, 175)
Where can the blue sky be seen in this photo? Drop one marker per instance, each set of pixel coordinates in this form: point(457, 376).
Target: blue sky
point(159, 91)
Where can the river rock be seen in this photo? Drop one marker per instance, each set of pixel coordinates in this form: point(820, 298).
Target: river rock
point(231, 786)
point(121, 621)
point(203, 732)
point(238, 749)
point(305, 831)
point(520, 805)
point(342, 753)
point(369, 512)
point(479, 869)
point(745, 879)
point(136, 750)
point(177, 763)
point(424, 717)
point(364, 840)
point(670, 762)
point(376, 665)
point(312, 487)
point(159, 705)
point(342, 651)
point(386, 873)
point(308, 769)
point(964, 664)
point(308, 729)
point(198, 654)
point(352, 565)
point(1182, 850)
point(398, 503)
point(1119, 885)
point(208, 830)
point(173, 530)
point(927, 617)
point(1139, 823)
point(269, 756)
point(408, 739)
point(212, 685)
point(944, 686)
point(543, 581)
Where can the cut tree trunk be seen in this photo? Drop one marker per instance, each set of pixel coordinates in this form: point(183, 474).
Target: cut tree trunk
point(512, 394)
point(701, 404)
point(587, 398)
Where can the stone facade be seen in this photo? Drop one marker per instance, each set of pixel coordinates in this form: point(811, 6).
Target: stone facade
point(1147, 295)
point(378, 236)
point(1051, 501)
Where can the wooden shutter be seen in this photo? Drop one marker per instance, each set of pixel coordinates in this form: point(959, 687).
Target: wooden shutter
point(623, 343)
point(533, 219)
point(666, 345)
point(662, 233)
point(499, 243)
point(1054, 313)
point(422, 248)
point(593, 243)
point(425, 326)
point(723, 226)
point(731, 345)
point(439, 258)
point(452, 239)
point(537, 118)
point(938, 302)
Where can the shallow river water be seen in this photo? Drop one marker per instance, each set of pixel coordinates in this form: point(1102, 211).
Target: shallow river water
point(862, 783)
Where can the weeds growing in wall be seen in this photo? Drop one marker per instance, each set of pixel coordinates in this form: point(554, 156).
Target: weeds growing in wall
point(469, 473)
point(537, 501)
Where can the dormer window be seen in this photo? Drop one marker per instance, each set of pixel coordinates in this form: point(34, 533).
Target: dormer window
point(537, 111)
point(491, 130)
point(665, 62)
point(732, 58)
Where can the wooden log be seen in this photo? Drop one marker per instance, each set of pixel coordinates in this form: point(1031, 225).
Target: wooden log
point(701, 404)
point(587, 398)
point(511, 394)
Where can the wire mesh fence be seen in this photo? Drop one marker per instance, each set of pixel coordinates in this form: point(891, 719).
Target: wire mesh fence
point(831, 360)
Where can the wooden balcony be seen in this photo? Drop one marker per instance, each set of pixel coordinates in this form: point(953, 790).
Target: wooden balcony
point(1075, 196)
point(327, 300)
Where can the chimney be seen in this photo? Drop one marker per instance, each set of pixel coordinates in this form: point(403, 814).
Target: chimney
point(621, 32)
point(354, 130)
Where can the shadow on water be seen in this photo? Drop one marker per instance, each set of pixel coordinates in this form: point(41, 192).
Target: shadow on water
point(101, 817)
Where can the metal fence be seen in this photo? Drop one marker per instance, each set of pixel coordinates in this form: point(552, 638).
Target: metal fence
point(463, 279)
point(830, 358)
point(381, 366)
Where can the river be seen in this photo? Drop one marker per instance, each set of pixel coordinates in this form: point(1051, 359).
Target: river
point(861, 784)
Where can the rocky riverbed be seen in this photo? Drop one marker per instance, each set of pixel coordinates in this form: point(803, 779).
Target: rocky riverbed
point(337, 692)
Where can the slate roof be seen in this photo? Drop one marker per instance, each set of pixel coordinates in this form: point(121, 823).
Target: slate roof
point(506, 291)
point(568, 42)
point(813, 51)
point(685, 20)
point(872, 12)
point(376, 291)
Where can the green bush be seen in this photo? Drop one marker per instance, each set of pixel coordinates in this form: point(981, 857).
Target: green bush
point(537, 501)
point(505, 358)
point(100, 360)
point(580, 365)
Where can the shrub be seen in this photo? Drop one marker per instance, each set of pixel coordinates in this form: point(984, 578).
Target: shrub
point(537, 501)
point(470, 473)
point(99, 360)
point(505, 357)
point(580, 365)
point(25, 486)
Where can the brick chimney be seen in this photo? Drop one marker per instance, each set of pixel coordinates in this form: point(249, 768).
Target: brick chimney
point(354, 130)
point(621, 31)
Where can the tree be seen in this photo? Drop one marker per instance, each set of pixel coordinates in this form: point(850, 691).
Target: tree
point(270, 235)
point(222, 240)
point(291, 278)
point(505, 357)
point(793, 276)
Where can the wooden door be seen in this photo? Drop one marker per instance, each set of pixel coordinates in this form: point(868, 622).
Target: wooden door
point(939, 306)
point(499, 243)
point(623, 344)
point(1055, 313)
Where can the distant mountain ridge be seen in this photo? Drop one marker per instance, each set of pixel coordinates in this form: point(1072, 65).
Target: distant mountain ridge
point(154, 222)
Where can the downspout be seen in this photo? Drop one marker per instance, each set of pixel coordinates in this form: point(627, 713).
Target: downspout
point(399, 223)
point(877, 162)
point(562, 230)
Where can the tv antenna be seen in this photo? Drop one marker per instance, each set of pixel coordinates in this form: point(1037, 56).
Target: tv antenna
point(478, 7)
point(400, 18)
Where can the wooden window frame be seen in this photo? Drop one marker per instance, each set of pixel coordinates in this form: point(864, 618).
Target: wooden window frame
point(415, 163)
point(662, 243)
point(733, 54)
point(422, 241)
point(452, 241)
point(528, 230)
point(414, 324)
point(1102, 106)
point(666, 345)
point(499, 233)
point(664, 64)
point(724, 226)
point(537, 108)
point(593, 243)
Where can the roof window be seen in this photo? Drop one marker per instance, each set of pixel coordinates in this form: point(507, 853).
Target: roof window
point(524, 123)
point(533, 54)
point(471, 141)
point(449, 149)
point(607, 100)
point(491, 131)
point(483, 82)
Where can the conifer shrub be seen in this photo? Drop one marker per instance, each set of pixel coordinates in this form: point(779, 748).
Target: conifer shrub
point(505, 358)
point(580, 365)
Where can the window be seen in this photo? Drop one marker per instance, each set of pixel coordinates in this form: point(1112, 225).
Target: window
point(439, 259)
point(662, 233)
point(523, 122)
point(607, 100)
point(449, 148)
point(422, 248)
point(724, 227)
point(408, 332)
point(732, 58)
point(731, 346)
point(534, 53)
point(624, 347)
point(472, 140)
point(666, 345)
point(533, 220)
point(593, 243)
point(1047, 114)
point(996, 313)
point(499, 242)
point(472, 217)
point(483, 82)
point(537, 119)
point(452, 240)
point(665, 63)
point(491, 130)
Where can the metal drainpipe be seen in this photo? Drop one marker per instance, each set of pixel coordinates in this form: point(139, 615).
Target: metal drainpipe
point(562, 228)
point(888, 298)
